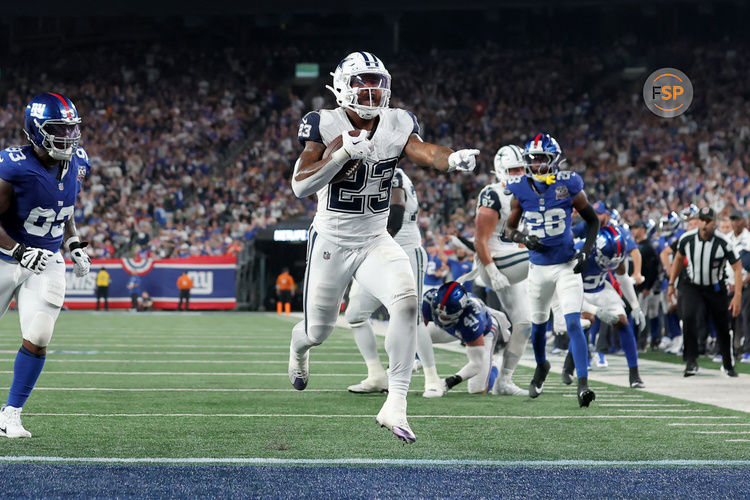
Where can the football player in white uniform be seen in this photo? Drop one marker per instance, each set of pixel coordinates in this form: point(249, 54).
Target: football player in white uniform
point(402, 225)
point(503, 264)
point(348, 237)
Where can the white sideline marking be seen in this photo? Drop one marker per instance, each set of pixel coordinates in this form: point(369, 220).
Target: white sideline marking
point(721, 432)
point(709, 423)
point(69, 346)
point(255, 374)
point(203, 361)
point(214, 353)
point(379, 461)
point(327, 416)
point(737, 440)
point(664, 411)
point(630, 405)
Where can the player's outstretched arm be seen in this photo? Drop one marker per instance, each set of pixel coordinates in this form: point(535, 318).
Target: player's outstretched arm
point(440, 158)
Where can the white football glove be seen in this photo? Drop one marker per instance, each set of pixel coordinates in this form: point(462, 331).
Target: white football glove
point(639, 318)
point(358, 147)
point(463, 160)
point(33, 259)
point(498, 280)
point(81, 260)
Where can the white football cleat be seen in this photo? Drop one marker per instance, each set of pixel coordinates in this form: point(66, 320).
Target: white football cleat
point(393, 417)
point(507, 388)
point(10, 423)
point(299, 369)
point(435, 390)
point(416, 366)
point(371, 384)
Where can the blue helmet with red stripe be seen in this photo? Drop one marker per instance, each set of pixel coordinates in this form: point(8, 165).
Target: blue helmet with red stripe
point(610, 247)
point(51, 123)
point(542, 153)
point(450, 301)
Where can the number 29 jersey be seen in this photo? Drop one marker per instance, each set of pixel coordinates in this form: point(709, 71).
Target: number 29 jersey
point(547, 209)
point(42, 203)
point(354, 211)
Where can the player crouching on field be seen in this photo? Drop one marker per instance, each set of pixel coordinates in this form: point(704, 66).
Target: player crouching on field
point(453, 313)
point(39, 184)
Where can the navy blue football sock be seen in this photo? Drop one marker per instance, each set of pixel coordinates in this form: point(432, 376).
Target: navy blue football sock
point(578, 345)
point(26, 371)
point(593, 331)
point(627, 340)
point(539, 342)
point(654, 323)
point(673, 326)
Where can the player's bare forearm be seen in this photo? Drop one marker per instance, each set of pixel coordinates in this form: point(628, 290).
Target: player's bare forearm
point(309, 162)
point(425, 154)
point(485, 223)
point(311, 172)
point(514, 218)
point(70, 229)
point(586, 211)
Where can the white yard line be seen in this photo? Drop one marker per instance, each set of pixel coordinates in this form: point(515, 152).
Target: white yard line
point(712, 424)
point(737, 440)
point(195, 361)
point(380, 461)
point(721, 432)
point(329, 416)
point(642, 410)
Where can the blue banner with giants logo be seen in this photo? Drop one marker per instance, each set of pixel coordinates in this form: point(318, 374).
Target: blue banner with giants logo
point(213, 279)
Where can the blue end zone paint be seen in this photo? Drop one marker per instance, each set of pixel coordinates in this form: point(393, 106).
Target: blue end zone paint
point(87, 481)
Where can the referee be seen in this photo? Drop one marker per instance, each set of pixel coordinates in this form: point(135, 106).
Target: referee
point(705, 252)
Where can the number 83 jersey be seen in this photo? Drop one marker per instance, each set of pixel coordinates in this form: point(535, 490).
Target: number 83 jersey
point(546, 211)
point(42, 203)
point(354, 211)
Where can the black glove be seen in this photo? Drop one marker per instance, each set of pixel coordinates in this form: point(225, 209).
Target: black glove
point(580, 258)
point(534, 243)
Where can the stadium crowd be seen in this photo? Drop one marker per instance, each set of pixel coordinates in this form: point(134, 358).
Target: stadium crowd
point(193, 150)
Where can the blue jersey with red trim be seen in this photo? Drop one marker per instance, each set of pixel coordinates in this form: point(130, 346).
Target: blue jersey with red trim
point(547, 209)
point(475, 319)
point(44, 198)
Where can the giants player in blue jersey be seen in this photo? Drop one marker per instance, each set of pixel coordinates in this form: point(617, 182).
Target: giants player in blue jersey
point(601, 300)
point(39, 183)
point(546, 197)
point(453, 313)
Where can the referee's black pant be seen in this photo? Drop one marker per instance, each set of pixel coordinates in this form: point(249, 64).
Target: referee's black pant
point(696, 301)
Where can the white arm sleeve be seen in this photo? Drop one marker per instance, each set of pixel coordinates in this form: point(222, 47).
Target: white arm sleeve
point(475, 353)
point(313, 183)
point(628, 291)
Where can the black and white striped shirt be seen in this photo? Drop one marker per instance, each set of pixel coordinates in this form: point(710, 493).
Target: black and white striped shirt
point(705, 259)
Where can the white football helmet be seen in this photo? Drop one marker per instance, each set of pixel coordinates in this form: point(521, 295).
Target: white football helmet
point(508, 157)
point(355, 79)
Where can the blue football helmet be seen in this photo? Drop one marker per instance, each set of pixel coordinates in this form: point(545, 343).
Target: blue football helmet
point(51, 123)
point(689, 212)
point(668, 224)
point(450, 301)
point(650, 228)
point(610, 247)
point(542, 146)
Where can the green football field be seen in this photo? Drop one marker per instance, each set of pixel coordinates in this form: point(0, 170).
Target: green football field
point(126, 385)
